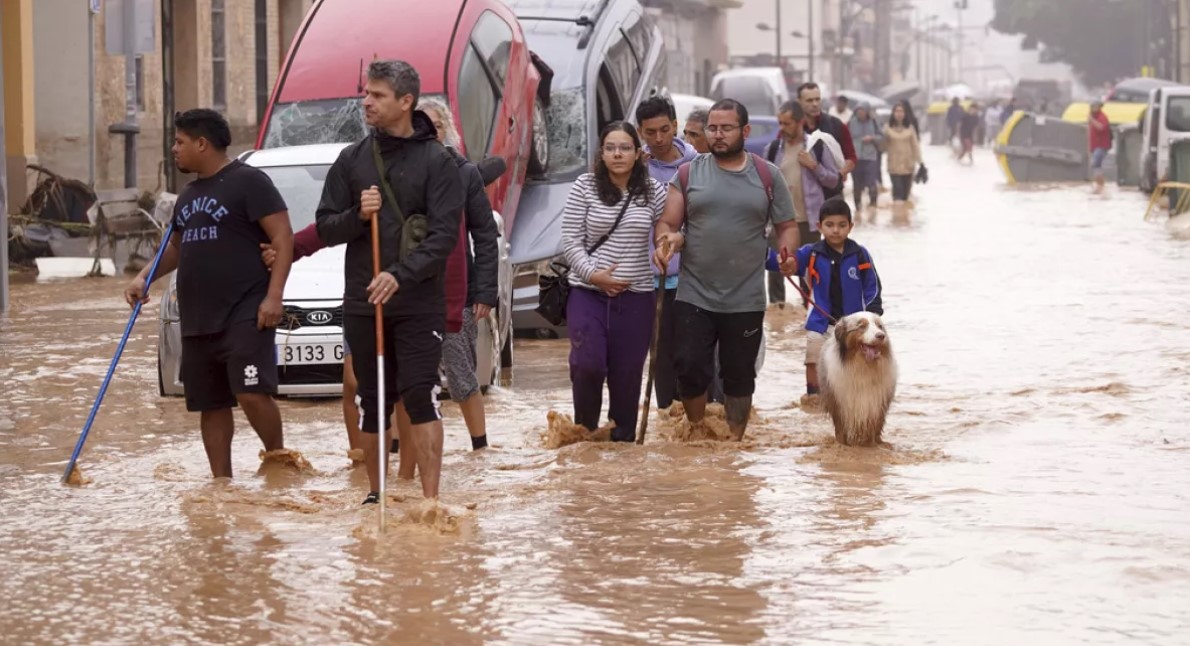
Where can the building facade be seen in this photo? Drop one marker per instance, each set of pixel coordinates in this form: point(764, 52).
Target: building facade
point(695, 36)
point(226, 54)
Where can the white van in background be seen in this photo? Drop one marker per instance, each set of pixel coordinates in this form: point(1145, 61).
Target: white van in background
point(684, 104)
point(1166, 120)
point(761, 89)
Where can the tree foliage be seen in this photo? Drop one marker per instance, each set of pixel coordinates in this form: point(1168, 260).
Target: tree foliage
point(1103, 40)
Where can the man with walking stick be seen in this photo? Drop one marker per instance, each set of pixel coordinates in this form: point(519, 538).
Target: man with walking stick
point(229, 302)
point(403, 178)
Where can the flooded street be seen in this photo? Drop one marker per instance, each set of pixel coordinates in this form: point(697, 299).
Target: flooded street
point(1037, 491)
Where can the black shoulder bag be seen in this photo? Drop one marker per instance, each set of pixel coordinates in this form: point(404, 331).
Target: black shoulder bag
point(413, 228)
point(554, 289)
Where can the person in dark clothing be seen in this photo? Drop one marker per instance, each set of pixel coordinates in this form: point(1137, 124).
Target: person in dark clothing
point(954, 118)
point(229, 302)
point(483, 269)
point(424, 180)
point(809, 95)
point(967, 127)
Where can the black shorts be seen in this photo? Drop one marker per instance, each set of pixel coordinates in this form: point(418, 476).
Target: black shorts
point(217, 367)
point(738, 336)
point(412, 354)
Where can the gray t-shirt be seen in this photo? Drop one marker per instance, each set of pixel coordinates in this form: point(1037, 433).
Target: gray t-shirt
point(726, 216)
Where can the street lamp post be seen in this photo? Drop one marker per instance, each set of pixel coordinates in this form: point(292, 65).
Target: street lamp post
point(777, 35)
point(810, 38)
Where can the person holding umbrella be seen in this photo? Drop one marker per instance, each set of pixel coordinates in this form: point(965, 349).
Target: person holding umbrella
point(404, 178)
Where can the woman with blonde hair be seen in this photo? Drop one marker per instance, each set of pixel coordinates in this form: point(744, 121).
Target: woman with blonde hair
point(482, 294)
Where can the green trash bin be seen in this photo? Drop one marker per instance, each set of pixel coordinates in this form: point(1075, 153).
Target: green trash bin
point(1179, 169)
point(1128, 151)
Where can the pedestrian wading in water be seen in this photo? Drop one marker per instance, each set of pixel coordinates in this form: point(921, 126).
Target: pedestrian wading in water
point(904, 156)
point(606, 227)
point(229, 302)
point(724, 206)
point(423, 178)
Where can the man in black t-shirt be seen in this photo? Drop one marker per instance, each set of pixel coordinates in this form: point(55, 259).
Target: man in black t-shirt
point(229, 302)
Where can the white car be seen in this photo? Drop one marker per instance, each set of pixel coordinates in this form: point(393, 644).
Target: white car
point(310, 339)
point(684, 104)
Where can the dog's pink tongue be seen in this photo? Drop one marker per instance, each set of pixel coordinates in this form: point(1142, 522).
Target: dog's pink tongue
point(871, 353)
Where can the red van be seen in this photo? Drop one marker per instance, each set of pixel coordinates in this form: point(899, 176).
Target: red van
point(470, 52)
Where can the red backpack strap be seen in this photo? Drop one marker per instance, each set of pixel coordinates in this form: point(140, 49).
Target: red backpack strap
point(683, 184)
point(766, 177)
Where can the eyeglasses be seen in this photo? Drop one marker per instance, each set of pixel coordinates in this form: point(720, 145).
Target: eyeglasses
point(727, 130)
point(611, 149)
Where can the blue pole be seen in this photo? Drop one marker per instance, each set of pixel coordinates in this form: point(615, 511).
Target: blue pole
point(78, 448)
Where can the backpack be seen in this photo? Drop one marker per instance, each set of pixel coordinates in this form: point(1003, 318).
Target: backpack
point(762, 169)
point(865, 264)
point(819, 149)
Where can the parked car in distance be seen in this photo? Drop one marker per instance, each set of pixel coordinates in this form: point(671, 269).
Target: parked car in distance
point(761, 89)
point(606, 57)
point(310, 339)
point(764, 130)
point(470, 53)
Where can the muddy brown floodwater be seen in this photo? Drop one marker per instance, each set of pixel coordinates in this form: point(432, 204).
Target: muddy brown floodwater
point(1037, 491)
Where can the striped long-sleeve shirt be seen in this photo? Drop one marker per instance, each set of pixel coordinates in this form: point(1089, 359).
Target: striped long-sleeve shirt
point(586, 219)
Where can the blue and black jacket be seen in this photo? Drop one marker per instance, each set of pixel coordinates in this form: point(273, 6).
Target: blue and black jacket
point(859, 282)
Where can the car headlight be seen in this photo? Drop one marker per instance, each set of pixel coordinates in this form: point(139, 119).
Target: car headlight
point(169, 304)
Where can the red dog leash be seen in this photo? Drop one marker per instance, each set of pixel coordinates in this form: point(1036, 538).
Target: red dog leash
point(784, 257)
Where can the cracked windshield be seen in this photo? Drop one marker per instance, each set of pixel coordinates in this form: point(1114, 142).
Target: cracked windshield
point(901, 358)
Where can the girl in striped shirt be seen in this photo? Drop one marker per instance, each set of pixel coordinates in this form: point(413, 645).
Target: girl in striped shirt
point(612, 295)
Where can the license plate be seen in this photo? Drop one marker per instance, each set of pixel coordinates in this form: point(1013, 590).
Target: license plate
point(300, 354)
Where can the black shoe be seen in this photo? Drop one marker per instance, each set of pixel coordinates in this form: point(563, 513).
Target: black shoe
point(373, 498)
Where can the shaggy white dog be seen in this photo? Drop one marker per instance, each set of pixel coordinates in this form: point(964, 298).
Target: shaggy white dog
point(858, 376)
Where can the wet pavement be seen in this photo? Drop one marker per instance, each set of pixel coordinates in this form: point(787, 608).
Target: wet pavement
point(1037, 490)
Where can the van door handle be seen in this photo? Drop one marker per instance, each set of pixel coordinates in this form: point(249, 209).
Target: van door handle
point(511, 123)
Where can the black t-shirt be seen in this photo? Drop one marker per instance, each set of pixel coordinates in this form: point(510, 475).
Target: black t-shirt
point(221, 277)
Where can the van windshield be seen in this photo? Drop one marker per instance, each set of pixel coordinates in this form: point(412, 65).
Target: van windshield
point(1177, 114)
point(752, 91)
point(567, 119)
point(321, 121)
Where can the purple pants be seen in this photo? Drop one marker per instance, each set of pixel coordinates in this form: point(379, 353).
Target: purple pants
point(609, 340)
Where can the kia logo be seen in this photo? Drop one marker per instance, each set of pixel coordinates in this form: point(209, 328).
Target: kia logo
point(319, 317)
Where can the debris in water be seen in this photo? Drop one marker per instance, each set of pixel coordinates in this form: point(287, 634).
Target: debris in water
point(562, 431)
point(431, 515)
point(832, 452)
point(674, 426)
point(77, 478)
point(812, 403)
point(356, 455)
point(287, 458)
point(170, 472)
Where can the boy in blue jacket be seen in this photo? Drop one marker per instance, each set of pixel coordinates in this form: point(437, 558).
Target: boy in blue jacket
point(842, 281)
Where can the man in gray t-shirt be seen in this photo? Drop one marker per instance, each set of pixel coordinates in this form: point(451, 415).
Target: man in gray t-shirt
point(721, 297)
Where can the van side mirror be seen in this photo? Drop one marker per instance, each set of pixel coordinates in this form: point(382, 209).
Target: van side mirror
point(491, 169)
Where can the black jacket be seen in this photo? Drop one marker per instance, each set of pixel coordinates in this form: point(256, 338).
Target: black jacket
point(426, 181)
point(483, 267)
